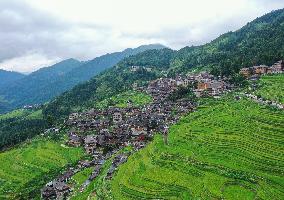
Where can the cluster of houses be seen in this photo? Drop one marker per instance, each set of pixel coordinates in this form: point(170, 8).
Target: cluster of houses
point(60, 187)
point(31, 107)
point(277, 68)
point(115, 127)
point(208, 85)
point(102, 132)
point(203, 84)
point(136, 68)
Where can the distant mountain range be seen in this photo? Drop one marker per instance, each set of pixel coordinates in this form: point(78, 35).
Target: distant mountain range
point(46, 83)
point(7, 77)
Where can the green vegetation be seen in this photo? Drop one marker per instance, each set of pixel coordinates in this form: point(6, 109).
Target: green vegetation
point(272, 87)
point(14, 114)
point(8, 77)
point(26, 169)
point(35, 115)
point(151, 58)
point(22, 113)
point(82, 176)
point(19, 125)
point(227, 149)
point(120, 100)
point(108, 84)
point(98, 182)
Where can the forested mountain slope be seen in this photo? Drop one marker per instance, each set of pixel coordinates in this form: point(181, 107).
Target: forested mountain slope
point(259, 42)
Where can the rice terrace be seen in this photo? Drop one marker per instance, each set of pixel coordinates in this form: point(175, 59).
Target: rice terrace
point(220, 151)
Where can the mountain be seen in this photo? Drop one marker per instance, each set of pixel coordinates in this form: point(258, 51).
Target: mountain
point(49, 82)
point(99, 64)
point(112, 81)
point(8, 77)
point(259, 42)
point(93, 67)
point(34, 88)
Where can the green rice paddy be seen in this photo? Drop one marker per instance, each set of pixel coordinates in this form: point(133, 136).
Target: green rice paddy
point(25, 169)
point(272, 87)
point(226, 150)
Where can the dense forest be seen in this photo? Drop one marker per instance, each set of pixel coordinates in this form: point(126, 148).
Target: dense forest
point(16, 130)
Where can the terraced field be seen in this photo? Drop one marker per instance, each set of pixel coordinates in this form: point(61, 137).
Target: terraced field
point(25, 169)
point(272, 87)
point(226, 150)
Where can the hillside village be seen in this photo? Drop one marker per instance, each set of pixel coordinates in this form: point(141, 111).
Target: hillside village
point(117, 128)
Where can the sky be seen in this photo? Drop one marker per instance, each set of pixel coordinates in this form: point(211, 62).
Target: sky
point(39, 33)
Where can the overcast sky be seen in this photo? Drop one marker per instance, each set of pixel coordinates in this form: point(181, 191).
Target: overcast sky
point(37, 33)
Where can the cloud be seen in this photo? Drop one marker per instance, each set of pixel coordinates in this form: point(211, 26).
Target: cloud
point(23, 63)
point(37, 33)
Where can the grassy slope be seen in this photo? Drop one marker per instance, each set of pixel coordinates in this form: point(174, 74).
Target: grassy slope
point(120, 100)
point(272, 87)
point(227, 149)
point(24, 170)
